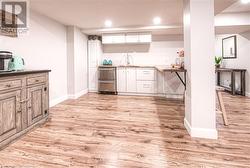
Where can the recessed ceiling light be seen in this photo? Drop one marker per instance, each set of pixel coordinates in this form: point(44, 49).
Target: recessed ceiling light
point(157, 20)
point(108, 23)
point(245, 1)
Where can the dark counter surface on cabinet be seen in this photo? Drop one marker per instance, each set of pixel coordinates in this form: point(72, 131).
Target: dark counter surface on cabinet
point(23, 72)
point(229, 70)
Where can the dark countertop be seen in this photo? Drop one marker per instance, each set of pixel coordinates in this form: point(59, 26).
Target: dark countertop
point(229, 70)
point(23, 72)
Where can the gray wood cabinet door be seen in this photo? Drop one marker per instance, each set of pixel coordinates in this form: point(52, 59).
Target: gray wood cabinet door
point(35, 104)
point(10, 114)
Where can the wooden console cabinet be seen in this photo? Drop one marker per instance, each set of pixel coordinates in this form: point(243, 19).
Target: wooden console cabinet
point(24, 102)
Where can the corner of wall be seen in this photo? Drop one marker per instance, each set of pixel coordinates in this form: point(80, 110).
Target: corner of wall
point(66, 97)
point(79, 94)
point(58, 100)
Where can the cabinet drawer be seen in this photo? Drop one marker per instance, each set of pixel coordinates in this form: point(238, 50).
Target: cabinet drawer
point(145, 86)
point(145, 74)
point(36, 79)
point(107, 86)
point(11, 84)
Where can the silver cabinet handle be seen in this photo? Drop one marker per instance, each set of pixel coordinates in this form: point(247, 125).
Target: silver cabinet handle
point(146, 85)
point(146, 72)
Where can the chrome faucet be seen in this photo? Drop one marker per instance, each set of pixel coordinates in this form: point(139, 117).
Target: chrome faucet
point(129, 59)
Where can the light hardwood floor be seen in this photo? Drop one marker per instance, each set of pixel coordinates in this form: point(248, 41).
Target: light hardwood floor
point(110, 131)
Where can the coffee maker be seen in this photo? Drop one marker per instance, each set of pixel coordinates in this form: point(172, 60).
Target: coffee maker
point(4, 55)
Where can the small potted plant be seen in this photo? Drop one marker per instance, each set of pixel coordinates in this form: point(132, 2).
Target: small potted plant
point(218, 61)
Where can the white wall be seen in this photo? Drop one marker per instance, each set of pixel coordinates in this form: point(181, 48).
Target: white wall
point(242, 61)
point(44, 47)
point(77, 62)
point(81, 61)
point(229, 19)
point(70, 60)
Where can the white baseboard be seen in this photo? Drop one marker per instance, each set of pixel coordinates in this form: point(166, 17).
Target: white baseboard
point(152, 94)
point(79, 94)
point(174, 96)
point(200, 132)
point(247, 94)
point(58, 100)
point(63, 98)
point(93, 91)
point(135, 94)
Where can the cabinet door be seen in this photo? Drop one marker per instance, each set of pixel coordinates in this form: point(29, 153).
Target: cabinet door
point(93, 79)
point(35, 104)
point(145, 38)
point(10, 114)
point(118, 38)
point(107, 39)
point(92, 54)
point(131, 80)
point(121, 80)
point(132, 38)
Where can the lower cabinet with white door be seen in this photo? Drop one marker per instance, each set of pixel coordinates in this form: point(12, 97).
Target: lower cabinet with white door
point(131, 80)
point(126, 80)
point(121, 80)
point(146, 80)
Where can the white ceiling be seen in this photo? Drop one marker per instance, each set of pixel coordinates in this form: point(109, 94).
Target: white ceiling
point(90, 14)
point(123, 13)
point(238, 7)
point(127, 15)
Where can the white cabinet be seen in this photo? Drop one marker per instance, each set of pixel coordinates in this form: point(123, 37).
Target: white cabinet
point(93, 79)
point(121, 80)
point(145, 38)
point(107, 39)
point(145, 74)
point(146, 80)
point(118, 38)
point(126, 38)
point(126, 80)
point(131, 80)
point(132, 38)
point(94, 56)
point(113, 39)
point(136, 80)
point(146, 87)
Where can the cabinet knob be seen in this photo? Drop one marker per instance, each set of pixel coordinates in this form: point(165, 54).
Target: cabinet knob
point(45, 89)
point(8, 85)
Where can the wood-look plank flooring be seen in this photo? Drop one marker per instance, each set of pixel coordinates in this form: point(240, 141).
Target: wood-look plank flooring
point(108, 131)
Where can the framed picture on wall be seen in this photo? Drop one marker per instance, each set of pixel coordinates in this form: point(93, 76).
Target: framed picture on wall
point(229, 47)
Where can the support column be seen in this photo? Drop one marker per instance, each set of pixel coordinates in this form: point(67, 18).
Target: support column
point(199, 38)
